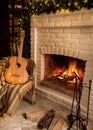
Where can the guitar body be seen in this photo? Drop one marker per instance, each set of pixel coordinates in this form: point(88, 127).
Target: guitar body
point(16, 73)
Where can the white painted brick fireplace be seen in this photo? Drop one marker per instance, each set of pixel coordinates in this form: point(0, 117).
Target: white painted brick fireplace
point(64, 34)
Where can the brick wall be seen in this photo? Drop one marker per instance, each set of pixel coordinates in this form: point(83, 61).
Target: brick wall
point(64, 34)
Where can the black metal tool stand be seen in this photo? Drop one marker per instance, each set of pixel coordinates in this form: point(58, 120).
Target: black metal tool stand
point(80, 121)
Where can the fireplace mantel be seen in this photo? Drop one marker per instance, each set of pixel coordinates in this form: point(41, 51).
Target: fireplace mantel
point(72, 19)
point(69, 34)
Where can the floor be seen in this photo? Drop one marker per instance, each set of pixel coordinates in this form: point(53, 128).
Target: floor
point(18, 122)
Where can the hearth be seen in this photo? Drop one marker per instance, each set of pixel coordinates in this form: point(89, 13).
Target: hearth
point(60, 72)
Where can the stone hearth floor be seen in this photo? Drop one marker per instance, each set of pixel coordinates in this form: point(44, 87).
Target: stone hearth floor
point(18, 122)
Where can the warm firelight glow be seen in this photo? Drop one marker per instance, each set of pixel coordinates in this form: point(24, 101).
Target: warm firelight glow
point(71, 69)
point(69, 72)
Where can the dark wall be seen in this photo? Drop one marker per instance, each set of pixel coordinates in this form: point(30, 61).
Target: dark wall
point(4, 29)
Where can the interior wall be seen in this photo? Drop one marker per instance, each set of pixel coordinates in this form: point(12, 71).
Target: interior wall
point(4, 29)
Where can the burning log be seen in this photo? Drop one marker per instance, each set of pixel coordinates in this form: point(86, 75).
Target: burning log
point(64, 78)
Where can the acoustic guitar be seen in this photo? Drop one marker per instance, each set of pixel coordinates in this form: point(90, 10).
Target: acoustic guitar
point(16, 73)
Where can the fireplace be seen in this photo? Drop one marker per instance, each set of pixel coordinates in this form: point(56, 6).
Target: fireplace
point(63, 67)
point(69, 36)
point(60, 72)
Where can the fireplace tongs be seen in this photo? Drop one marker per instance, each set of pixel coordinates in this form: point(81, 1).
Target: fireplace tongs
point(80, 121)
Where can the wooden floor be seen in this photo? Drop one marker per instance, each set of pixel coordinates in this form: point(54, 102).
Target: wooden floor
point(18, 122)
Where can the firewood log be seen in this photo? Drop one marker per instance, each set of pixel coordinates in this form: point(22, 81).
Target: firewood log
point(35, 115)
point(57, 123)
point(46, 120)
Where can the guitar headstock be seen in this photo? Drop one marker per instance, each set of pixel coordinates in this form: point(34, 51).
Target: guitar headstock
point(22, 34)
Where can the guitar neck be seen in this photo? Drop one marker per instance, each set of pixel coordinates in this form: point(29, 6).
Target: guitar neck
point(21, 45)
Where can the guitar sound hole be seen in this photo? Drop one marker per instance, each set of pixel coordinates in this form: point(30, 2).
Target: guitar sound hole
point(18, 65)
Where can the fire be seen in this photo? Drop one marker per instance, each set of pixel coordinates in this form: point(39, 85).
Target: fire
point(71, 69)
point(68, 73)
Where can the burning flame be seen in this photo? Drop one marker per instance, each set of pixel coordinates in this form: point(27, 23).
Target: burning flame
point(68, 73)
point(71, 69)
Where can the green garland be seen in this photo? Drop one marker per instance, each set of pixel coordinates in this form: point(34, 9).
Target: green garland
point(47, 6)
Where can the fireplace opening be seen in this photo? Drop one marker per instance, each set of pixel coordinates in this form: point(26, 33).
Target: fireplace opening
point(60, 72)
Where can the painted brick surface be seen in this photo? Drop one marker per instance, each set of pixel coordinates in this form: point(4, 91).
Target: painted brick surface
point(64, 34)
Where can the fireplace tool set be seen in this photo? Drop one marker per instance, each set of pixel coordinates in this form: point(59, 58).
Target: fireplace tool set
point(81, 122)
